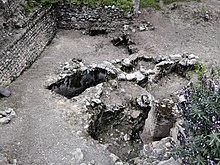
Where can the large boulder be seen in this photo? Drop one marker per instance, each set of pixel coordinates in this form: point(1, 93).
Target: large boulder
point(159, 122)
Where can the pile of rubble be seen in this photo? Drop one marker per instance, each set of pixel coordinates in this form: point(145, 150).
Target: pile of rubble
point(4, 160)
point(6, 115)
point(142, 26)
point(136, 67)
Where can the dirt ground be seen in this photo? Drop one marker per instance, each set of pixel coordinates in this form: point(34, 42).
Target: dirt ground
point(39, 133)
point(183, 30)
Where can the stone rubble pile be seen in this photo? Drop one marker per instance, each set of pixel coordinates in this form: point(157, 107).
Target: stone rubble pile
point(68, 68)
point(128, 70)
point(6, 115)
point(4, 160)
point(157, 153)
point(143, 26)
point(162, 66)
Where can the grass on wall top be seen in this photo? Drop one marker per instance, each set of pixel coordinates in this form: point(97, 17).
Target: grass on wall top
point(156, 3)
point(126, 5)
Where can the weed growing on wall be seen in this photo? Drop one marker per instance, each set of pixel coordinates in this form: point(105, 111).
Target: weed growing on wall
point(200, 141)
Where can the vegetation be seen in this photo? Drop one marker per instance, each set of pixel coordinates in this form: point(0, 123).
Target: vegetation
point(150, 3)
point(123, 4)
point(126, 5)
point(156, 3)
point(171, 1)
point(200, 140)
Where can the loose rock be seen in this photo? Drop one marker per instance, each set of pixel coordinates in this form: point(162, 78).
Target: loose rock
point(171, 161)
point(78, 155)
point(131, 76)
point(135, 114)
point(4, 92)
point(176, 57)
point(6, 115)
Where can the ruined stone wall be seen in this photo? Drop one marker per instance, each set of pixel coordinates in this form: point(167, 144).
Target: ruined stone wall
point(83, 17)
point(23, 36)
point(12, 17)
point(22, 44)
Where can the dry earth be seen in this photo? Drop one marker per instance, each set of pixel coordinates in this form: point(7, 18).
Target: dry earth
point(40, 135)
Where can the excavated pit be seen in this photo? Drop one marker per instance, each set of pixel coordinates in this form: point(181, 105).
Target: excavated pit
point(118, 130)
point(97, 31)
point(74, 85)
point(121, 110)
point(118, 120)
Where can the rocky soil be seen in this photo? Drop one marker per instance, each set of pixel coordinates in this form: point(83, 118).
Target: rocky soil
point(49, 128)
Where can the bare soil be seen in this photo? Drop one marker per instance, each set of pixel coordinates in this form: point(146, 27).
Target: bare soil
point(183, 30)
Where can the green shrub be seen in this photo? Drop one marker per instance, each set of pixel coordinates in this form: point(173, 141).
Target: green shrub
point(200, 142)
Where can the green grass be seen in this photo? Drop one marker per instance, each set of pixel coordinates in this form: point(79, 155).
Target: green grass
point(126, 5)
point(156, 3)
point(150, 3)
point(171, 1)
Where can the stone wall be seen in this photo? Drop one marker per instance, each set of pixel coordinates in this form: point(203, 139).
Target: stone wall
point(12, 16)
point(25, 43)
point(84, 17)
point(23, 36)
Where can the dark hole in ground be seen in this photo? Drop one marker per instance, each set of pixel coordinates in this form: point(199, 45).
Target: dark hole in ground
point(117, 128)
point(127, 69)
point(77, 83)
point(97, 31)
